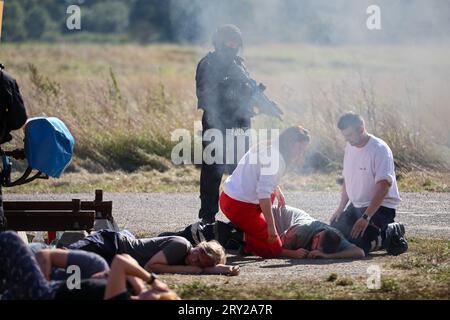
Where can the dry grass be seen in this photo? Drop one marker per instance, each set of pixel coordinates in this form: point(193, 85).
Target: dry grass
point(421, 273)
point(122, 102)
point(186, 179)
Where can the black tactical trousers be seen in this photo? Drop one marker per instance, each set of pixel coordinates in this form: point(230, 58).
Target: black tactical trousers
point(210, 179)
point(211, 175)
point(375, 233)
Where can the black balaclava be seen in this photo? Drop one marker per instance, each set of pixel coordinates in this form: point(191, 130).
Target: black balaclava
point(224, 35)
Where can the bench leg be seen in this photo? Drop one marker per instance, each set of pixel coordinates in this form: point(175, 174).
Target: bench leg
point(51, 236)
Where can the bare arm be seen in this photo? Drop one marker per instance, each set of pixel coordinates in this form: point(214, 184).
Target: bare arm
point(47, 259)
point(219, 269)
point(280, 197)
point(137, 284)
point(294, 254)
point(159, 264)
point(123, 266)
point(342, 204)
point(59, 258)
point(381, 190)
point(344, 198)
point(360, 226)
point(223, 269)
point(266, 208)
point(165, 268)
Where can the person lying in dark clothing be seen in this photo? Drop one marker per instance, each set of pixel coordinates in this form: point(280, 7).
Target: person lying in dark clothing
point(161, 254)
point(225, 233)
point(24, 276)
point(302, 236)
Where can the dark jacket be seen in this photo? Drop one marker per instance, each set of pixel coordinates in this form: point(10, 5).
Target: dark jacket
point(12, 109)
point(223, 92)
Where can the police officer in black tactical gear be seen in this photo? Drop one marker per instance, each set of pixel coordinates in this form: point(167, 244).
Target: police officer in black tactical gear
point(12, 117)
point(227, 95)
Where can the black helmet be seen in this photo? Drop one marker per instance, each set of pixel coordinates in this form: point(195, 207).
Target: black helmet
point(225, 34)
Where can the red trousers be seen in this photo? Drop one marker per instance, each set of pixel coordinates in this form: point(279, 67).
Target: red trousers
point(249, 218)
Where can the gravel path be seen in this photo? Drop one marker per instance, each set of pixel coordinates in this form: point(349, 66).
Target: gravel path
point(424, 214)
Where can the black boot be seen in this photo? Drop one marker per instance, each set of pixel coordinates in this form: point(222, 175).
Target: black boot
point(395, 242)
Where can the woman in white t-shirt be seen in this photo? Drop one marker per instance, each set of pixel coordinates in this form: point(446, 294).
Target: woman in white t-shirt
point(253, 186)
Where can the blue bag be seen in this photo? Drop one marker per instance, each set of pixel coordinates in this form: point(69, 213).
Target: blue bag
point(48, 145)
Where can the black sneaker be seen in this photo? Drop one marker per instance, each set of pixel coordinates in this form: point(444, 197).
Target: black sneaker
point(396, 243)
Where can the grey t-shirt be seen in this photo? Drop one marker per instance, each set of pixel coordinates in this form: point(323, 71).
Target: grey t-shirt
point(296, 228)
point(174, 248)
point(89, 263)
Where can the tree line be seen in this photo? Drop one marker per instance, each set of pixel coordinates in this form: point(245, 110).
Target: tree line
point(193, 21)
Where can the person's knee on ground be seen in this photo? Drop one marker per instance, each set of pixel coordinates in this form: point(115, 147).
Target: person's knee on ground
point(381, 231)
point(229, 236)
point(371, 240)
point(392, 239)
point(259, 246)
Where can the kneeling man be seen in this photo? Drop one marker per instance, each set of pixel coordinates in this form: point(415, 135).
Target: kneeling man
point(369, 196)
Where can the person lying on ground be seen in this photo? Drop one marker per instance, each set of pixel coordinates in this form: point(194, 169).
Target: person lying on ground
point(301, 235)
point(26, 277)
point(229, 237)
point(53, 263)
point(161, 254)
point(306, 237)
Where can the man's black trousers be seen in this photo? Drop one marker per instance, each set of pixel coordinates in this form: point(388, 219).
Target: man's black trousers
point(374, 235)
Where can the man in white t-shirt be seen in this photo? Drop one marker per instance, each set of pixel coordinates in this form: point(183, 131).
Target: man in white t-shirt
point(370, 194)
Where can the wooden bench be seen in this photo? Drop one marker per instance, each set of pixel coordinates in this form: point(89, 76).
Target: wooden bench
point(57, 215)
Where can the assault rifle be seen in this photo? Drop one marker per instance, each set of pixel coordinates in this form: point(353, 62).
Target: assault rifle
point(241, 79)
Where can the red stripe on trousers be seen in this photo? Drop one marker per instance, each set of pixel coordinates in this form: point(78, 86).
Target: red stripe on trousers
point(249, 218)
